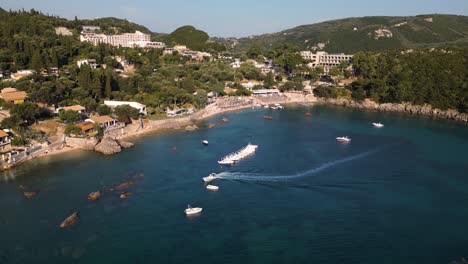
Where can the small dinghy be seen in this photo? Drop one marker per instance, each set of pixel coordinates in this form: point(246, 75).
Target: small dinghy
point(210, 177)
point(212, 187)
point(379, 125)
point(205, 142)
point(192, 211)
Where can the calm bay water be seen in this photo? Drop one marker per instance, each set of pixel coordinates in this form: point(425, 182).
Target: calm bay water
point(393, 195)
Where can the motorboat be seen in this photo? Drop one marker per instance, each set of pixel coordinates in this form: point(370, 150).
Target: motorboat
point(343, 139)
point(192, 211)
point(210, 177)
point(212, 187)
point(274, 107)
point(308, 114)
point(227, 162)
point(278, 106)
point(205, 142)
point(378, 125)
point(266, 106)
point(268, 117)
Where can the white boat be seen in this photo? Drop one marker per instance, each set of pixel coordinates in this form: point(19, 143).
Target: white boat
point(278, 106)
point(238, 155)
point(192, 211)
point(377, 124)
point(212, 187)
point(274, 107)
point(210, 177)
point(205, 142)
point(265, 106)
point(343, 139)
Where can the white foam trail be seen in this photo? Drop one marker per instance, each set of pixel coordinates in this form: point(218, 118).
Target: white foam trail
point(271, 178)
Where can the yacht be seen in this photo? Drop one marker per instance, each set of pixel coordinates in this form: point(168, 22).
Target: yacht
point(205, 142)
point(192, 211)
point(377, 125)
point(343, 139)
point(212, 187)
point(210, 177)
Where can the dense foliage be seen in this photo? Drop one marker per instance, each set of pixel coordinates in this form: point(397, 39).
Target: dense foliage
point(435, 77)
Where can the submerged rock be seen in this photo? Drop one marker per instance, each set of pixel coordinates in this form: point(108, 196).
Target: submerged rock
point(94, 196)
point(211, 125)
point(124, 196)
point(124, 185)
point(70, 220)
point(30, 194)
point(108, 146)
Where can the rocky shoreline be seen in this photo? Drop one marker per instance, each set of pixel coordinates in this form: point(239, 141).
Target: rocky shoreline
point(425, 110)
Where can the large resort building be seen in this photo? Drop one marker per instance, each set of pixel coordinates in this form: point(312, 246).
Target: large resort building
point(127, 40)
point(325, 60)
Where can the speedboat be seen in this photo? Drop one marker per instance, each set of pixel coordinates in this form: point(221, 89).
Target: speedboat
point(377, 125)
point(212, 187)
point(210, 177)
point(343, 139)
point(192, 211)
point(226, 162)
point(205, 142)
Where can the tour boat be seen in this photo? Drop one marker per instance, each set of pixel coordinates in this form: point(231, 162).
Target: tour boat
point(210, 177)
point(343, 139)
point(212, 187)
point(205, 142)
point(192, 211)
point(308, 114)
point(377, 124)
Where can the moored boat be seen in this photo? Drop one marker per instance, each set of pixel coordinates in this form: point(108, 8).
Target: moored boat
point(192, 211)
point(343, 139)
point(268, 117)
point(212, 187)
point(205, 142)
point(308, 114)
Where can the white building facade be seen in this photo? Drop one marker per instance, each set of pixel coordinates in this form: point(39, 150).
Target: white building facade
point(127, 40)
point(325, 60)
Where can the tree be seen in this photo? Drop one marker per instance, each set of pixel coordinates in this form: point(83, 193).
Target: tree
point(108, 86)
point(69, 116)
point(103, 110)
point(254, 51)
point(26, 111)
point(125, 113)
point(269, 80)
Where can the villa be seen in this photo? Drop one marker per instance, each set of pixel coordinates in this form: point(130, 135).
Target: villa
point(104, 121)
point(12, 95)
point(140, 107)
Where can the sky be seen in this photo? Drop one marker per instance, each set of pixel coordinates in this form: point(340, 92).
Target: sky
point(235, 18)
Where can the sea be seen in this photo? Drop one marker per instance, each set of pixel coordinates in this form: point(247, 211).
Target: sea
point(397, 194)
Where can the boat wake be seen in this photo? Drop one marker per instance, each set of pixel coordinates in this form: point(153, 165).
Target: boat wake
point(279, 178)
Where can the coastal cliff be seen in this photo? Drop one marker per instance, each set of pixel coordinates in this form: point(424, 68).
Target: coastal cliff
point(426, 110)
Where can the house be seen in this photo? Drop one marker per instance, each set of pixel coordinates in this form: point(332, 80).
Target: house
point(180, 48)
point(178, 112)
point(4, 139)
point(104, 121)
point(12, 95)
point(77, 108)
point(21, 74)
point(63, 31)
point(91, 62)
point(86, 126)
point(248, 84)
point(54, 71)
point(91, 28)
point(140, 107)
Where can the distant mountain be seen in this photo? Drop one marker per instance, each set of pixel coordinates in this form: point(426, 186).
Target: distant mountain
point(350, 35)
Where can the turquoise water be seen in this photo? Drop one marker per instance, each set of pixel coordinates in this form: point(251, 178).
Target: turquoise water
point(393, 195)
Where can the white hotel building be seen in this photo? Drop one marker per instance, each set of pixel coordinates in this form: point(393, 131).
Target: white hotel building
point(127, 40)
point(325, 60)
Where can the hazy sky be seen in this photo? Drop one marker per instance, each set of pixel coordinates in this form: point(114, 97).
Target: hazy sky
point(235, 17)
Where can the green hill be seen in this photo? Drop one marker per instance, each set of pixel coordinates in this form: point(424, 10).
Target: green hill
point(371, 34)
point(188, 35)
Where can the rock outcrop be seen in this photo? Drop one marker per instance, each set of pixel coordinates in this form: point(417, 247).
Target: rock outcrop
point(108, 146)
point(191, 128)
point(70, 220)
point(126, 144)
point(426, 110)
